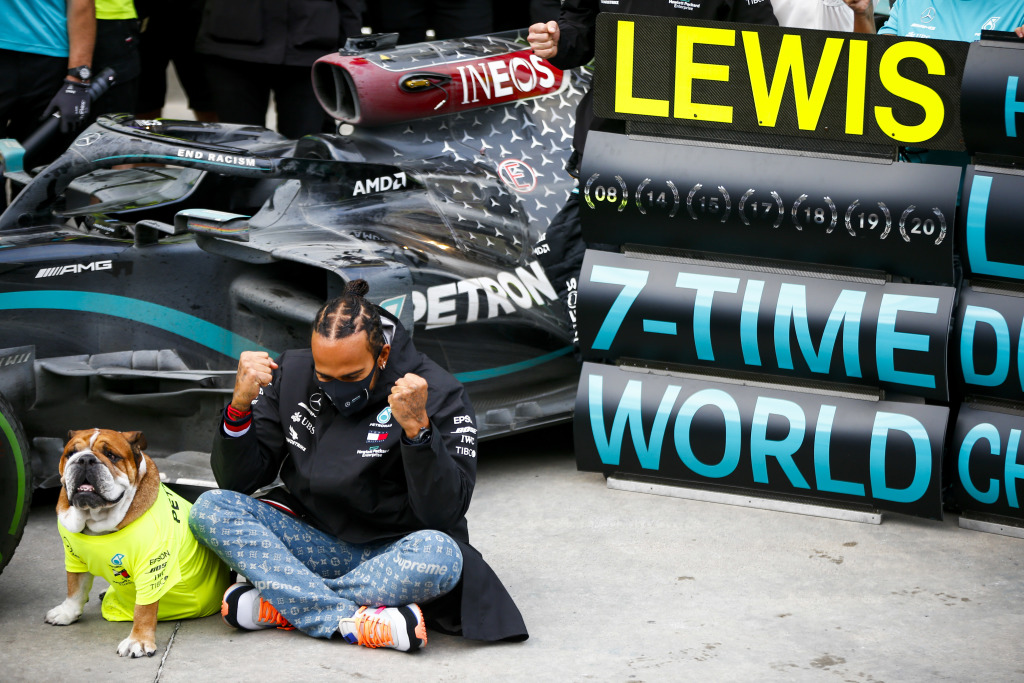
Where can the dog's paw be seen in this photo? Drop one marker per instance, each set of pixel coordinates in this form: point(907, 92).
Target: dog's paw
point(130, 647)
point(63, 614)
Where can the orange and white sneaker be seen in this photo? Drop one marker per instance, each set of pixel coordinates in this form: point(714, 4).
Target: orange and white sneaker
point(242, 607)
point(401, 628)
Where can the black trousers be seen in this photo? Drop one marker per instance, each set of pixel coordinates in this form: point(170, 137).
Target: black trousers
point(241, 94)
point(27, 84)
point(117, 47)
point(170, 36)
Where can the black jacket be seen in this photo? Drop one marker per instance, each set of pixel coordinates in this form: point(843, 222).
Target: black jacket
point(289, 32)
point(577, 24)
point(354, 478)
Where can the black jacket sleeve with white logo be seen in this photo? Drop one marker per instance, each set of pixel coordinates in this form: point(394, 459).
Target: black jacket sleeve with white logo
point(246, 463)
point(353, 477)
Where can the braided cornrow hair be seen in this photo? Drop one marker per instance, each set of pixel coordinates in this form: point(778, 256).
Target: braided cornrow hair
point(348, 314)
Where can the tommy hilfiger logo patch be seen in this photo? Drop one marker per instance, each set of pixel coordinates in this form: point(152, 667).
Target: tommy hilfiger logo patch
point(376, 437)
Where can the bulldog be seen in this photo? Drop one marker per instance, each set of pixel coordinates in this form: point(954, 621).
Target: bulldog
point(119, 522)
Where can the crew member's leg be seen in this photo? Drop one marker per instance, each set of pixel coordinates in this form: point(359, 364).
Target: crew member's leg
point(117, 47)
point(407, 18)
point(298, 110)
point(240, 90)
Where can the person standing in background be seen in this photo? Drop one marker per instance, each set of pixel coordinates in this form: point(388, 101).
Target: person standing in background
point(168, 32)
point(257, 48)
point(953, 19)
point(950, 20)
point(117, 47)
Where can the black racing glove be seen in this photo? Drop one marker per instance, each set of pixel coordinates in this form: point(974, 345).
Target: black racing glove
point(72, 102)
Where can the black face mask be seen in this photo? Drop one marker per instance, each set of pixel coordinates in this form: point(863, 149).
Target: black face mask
point(349, 397)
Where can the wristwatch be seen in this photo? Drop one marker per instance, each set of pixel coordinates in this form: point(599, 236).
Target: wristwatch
point(421, 437)
point(82, 73)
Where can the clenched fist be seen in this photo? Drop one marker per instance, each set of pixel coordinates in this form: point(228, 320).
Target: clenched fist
point(408, 401)
point(255, 370)
point(543, 39)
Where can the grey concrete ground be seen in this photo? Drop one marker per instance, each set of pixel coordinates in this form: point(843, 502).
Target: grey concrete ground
point(614, 586)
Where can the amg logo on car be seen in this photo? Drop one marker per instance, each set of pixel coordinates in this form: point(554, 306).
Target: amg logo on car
point(381, 184)
point(74, 268)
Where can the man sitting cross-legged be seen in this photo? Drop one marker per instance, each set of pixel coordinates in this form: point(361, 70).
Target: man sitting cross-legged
point(376, 446)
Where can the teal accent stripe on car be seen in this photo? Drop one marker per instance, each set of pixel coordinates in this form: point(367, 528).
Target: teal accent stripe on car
point(196, 329)
point(489, 373)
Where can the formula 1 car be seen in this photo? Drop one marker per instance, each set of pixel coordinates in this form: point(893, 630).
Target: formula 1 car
point(126, 294)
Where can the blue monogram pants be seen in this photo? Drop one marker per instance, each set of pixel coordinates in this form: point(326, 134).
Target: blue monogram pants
point(313, 579)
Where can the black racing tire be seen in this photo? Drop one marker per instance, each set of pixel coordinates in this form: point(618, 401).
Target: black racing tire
point(15, 482)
